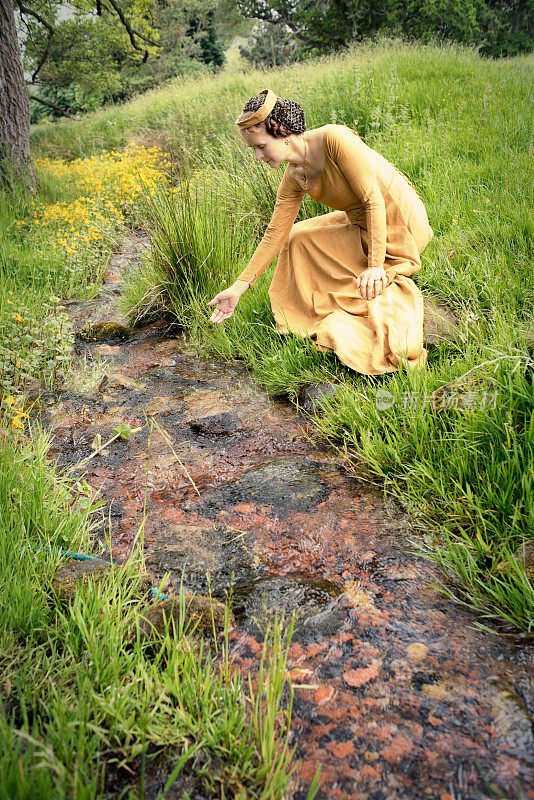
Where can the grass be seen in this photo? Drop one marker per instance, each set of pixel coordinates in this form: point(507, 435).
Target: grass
point(87, 699)
point(87, 705)
point(448, 119)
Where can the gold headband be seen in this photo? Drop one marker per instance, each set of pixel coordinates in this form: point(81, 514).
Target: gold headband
point(249, 118)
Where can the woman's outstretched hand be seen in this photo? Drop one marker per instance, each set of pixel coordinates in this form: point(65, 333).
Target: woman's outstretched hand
point(372, 282)
point(226, 301)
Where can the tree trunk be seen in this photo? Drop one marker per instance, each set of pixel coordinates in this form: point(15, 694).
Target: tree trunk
point(15, 158)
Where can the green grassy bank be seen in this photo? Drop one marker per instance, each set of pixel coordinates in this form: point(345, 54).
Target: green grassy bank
point(86, 703)
point(460, 128)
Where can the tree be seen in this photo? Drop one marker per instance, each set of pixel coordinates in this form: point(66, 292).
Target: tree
point(14, 105)
point(510, 27)
point(269, 46)
point(90, 60)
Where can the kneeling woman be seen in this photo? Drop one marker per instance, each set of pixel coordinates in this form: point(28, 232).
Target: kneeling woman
point(343, 278)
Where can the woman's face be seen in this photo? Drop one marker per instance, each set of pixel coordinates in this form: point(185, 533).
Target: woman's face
point(270, 149)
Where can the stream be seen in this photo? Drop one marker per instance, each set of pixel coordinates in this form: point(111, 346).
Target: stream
point(408, 699)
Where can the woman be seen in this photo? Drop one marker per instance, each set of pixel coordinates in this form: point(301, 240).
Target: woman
point(343, 277)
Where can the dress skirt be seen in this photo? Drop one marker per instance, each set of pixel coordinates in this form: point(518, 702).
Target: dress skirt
point(313, 291)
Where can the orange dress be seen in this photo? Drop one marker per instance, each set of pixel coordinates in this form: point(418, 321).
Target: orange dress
point(379, 220)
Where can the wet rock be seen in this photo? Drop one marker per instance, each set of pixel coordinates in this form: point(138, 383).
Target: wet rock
point(104, 308)
point(195, 545)
point(400, 572)
point(169, 346)
point(416, 652)
point(224, 424)
point(103, 332)
point(311, 397)
point(288, 484)
point(169, 406)
point(108, 350)
point(440, 324)
point(512, 718)
point(317, 603)
point(206, 558)
point(115, 380)
point(202, 613)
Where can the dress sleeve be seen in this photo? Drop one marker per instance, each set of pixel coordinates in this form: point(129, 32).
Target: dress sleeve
point(352, 157)
point(288, 202)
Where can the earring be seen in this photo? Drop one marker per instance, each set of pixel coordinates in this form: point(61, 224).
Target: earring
point(286, 140)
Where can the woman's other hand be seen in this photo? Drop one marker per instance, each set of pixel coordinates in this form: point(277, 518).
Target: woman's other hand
point(372, 282)
point(226, 301)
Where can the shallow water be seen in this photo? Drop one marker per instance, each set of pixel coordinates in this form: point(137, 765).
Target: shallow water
point(408, 699)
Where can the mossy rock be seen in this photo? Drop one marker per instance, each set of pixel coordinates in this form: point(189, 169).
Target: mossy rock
point(202, 614)
point(524, 556)
point(104, 332)
point(73, 574)
point(440, 323)
point(465, 391)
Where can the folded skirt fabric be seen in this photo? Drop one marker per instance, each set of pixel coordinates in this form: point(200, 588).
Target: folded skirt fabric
point(314, 292)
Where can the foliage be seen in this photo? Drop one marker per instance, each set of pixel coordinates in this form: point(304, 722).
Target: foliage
point(499, 27)
point(34, 342)
point(81, 62)
point(270, 46)
point(509, 26)
point(66, 240)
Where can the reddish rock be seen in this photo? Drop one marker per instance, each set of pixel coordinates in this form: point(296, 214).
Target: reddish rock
point(507, 767)
point(340, 749)
point(357, 677)
point(369, 773)
point(111, 276)
point(384, 732)
point(400, 747)
point(315, 647)
point(323, 695)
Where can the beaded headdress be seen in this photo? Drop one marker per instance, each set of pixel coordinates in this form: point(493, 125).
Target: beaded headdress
point(267, 104)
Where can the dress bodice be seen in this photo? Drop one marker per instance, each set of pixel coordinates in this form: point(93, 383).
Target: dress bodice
point(355, 179)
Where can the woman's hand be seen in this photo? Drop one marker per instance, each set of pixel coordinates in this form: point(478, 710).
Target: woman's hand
point(372, 282)
point(226, 301)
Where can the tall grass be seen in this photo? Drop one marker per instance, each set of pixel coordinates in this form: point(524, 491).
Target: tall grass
point(449, 120)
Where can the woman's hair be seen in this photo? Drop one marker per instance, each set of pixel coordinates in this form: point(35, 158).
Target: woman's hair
point(286, 117)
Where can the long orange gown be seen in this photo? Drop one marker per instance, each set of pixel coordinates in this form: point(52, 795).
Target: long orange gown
point(379, 220)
